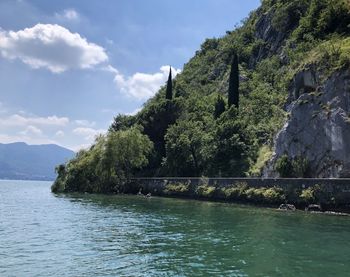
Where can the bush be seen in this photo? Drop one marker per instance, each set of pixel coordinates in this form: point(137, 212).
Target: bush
point(284, 167)
point(255, 194)
point(292, 168)
point(317, 194)
point(308, 195)
point(301, 167)
point(235, 192)
point(264, 155)
point(176, 188)
point(205, 191)
point(274, 195)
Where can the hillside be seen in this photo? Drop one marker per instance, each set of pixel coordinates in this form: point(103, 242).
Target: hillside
point(31, 162)
point(294, 80)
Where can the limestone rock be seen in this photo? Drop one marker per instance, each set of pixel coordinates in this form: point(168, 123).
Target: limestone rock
point(319, 125)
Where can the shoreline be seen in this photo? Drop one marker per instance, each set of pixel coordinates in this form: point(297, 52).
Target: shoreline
point(339, 212)
point(330, 196)
point(336, 212)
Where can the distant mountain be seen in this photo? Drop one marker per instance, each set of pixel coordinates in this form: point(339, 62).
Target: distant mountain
point(31, 162)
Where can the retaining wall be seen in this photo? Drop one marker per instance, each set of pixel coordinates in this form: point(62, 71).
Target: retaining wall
point(157, 186)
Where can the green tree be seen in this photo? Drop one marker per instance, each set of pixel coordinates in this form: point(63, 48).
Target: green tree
point(234, 146)
point(219, 106)
point(107, 165)
point(156, 118)
point(122, 122)
point(126, 151)
point(233, 89)
point(188, 149)
point(169, 87)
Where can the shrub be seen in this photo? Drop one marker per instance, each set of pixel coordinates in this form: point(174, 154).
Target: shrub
point(284, 167)
point(301, 167)
point(235, 192)
point(176, 188)
point(317, 194)
point(298, 167)
point(255, 194)
point(274, 195)
point(264, 155)
point(308, 195)
point(205, 190)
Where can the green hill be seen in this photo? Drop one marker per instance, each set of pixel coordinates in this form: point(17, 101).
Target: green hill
point(196, 133)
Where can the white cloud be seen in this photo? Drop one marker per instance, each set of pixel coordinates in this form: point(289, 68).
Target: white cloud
point(142, 85)
point(68, 14)
point(88, 133)
point(31, 130)
point(19, 120)
point(110, 69)
point(52, 47)
point(59, 134)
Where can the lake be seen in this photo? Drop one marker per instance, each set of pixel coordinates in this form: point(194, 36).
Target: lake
point(42, 234)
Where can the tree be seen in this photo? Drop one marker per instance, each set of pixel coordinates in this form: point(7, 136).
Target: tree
point(188, 149)
point(156, 118)
point(126, 151)
point(169, 87)
point(233, 89)
point(234, 145)
point(122, 122)
point(107, 165)
point(219, 106)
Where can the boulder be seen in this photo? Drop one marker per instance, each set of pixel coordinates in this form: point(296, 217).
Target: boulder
point(313, 208)
point(287, 207)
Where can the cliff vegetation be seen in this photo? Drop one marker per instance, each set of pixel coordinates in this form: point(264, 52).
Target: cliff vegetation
point(222, 113)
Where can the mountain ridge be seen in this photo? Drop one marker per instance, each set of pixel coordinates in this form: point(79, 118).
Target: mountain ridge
point(19, 160)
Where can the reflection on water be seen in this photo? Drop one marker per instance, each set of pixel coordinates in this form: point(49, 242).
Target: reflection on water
point(92, 235)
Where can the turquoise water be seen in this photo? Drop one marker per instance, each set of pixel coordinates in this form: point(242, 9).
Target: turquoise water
point(88, 235)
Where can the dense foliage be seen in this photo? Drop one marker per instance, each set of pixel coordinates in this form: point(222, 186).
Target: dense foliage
point(107, 165)
point(196, 131)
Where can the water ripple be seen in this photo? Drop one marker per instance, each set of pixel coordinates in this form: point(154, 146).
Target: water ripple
point(89, 235)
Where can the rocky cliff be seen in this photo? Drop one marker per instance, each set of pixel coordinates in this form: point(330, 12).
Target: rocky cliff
point(318, 128)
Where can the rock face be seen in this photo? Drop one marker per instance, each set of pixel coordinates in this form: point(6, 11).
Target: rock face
point(305, 81)
point(318, 128)
point(272, 40)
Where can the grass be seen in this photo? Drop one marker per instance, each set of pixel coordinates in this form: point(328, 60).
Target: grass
point(264, 155)
point(330, 55)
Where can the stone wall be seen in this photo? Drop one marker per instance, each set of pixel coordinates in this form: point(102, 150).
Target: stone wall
point(157, 186)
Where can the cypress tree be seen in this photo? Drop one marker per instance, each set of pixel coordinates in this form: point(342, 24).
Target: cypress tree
point(219, 106)
point(169, 87)
point(233, 86)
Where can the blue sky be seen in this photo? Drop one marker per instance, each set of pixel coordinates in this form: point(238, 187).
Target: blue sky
point(68, 67)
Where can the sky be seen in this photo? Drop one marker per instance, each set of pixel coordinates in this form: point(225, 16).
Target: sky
point(67, 67)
